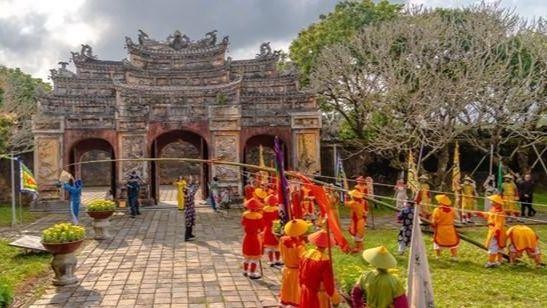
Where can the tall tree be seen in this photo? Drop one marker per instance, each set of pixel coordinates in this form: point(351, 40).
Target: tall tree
point(18, 103)
point(337, 27)
point(427, 77)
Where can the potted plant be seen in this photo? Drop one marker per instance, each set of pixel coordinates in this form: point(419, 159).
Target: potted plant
point(62, 240)
point(100, 210)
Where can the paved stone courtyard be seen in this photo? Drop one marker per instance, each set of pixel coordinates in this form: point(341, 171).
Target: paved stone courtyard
point(148, 264)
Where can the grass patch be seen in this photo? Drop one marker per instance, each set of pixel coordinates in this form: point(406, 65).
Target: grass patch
point(18, 269)
point(24, 213)
point(465, 283)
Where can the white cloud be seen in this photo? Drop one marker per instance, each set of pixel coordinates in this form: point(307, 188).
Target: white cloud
point(59, 22)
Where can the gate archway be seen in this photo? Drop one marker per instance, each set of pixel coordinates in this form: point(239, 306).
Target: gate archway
point(177, 144)
point(98, 178)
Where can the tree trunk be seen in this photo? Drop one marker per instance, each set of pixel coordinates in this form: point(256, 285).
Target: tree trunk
point(443, 157)
point(523, 161)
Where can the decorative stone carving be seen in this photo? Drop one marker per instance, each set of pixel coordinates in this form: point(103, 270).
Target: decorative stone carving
point(307, 151)
point(47, 159)
point(227, 149)
point(266, 51)
point(306, 120)
point(177, 41)
point(64, 266)
point(101, 228)
point(132, 147)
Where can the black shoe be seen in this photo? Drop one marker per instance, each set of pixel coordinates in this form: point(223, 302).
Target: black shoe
point(138, 213)
point(133, 216)
point(188, 239)
point(192, 236)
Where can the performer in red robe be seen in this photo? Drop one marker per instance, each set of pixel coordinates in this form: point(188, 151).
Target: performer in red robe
point(253, 224)
point(271, 244)
point(316, 277)
point(296, 209)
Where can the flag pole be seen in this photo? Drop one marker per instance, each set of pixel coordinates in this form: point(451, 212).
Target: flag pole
point(13, 211)
point(491, 160)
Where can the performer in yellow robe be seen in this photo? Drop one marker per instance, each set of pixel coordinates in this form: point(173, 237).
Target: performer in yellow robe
point(510, 195)
point(442, 220)
point(522, 238)
point(469, 199)
point(358, 215)
point(423, 198)
point(180, 184)
point(291, 246)
point(496, 237)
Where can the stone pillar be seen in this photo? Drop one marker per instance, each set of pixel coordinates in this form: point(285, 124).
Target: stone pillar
point(133, 146)
point(306, 135)
point(225, 126)
point(48, 155)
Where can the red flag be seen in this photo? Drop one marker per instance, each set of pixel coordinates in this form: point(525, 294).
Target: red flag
point(323, 201)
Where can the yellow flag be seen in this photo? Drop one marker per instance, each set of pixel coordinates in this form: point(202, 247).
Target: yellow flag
point(412, 178)
point(456, 174)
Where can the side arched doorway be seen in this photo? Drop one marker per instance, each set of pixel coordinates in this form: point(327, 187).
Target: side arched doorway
point(252, 149)
point(177, 144)
point(99, 178)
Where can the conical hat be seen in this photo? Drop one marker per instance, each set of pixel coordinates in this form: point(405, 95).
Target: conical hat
point(496, 199)
point(423, 177)
point(320, 239)
point(508, 176)
point(443, 199)
point(296, 227)
point(260, 193)
point(380, 257)
point(360, 179)
point(467, 178)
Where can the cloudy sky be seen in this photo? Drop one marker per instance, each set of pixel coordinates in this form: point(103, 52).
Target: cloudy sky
point(36, 34)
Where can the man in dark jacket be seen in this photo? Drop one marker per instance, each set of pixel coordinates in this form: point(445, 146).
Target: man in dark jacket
point(526, 193)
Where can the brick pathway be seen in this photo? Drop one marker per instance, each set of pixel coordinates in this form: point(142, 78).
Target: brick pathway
point(147, 263)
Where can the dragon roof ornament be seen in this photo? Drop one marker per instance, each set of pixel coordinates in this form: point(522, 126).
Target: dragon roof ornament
point(175, 42)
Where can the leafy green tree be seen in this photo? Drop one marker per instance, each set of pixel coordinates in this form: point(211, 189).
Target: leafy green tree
point(337, 27)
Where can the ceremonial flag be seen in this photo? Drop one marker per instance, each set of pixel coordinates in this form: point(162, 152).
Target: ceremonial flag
point(419, 288)
point(28, 183)
point(341, 179)
point(412, 174)
point(456, 174)
point(500, 175)
point(282, 184)
point(322, 200)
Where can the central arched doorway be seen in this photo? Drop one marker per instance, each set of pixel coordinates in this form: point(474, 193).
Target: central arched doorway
point(99, 178)
point(177, 144)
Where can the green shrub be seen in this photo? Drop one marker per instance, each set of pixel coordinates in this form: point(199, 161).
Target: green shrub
point(6, 296)
point(63, 233)
point(101, 205)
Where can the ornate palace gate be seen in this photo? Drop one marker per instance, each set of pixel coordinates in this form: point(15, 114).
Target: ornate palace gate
point(170, 91)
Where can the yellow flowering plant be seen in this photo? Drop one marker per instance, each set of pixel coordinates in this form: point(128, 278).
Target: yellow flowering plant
point(101, 205)
point(63, 233)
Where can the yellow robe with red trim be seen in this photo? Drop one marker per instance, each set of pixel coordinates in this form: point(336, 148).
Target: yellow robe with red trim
point(291, 250)
point(445, 234)
point(424, 199)
point(496, 227)
point(469, 201)
point(509, 192)
point(523, 238)
point(358, 215)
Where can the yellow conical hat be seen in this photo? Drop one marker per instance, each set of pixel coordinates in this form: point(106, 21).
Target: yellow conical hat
point(496, 199)
point(296, 227)
point(380, 257)
point(260, 193)
point(443, 199)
